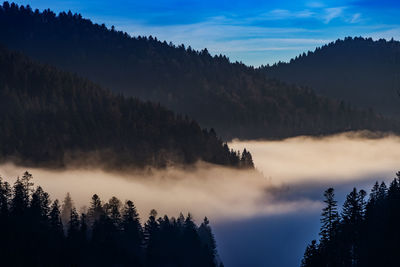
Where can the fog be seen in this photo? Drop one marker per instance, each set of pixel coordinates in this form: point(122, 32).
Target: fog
point(203, 190)
point(333, 159)
point(266, 214)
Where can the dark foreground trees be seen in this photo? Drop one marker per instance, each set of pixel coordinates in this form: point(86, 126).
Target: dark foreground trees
point(108, 234)
point(366, 233)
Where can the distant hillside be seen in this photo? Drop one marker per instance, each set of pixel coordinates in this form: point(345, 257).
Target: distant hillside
point(238, 101)
point(361, 71)
point(48, 116)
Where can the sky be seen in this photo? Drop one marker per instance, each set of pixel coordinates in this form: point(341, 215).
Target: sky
point(254, 32)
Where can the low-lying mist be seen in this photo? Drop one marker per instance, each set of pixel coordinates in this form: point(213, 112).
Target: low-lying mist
point(284, 169)
point(204, 190)
point(332, 159)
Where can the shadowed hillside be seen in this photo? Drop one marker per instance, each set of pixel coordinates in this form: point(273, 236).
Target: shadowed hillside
point(361, 71)
point(52, 117)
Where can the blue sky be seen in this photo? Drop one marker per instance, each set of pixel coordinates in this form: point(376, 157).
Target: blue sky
point(255, 32)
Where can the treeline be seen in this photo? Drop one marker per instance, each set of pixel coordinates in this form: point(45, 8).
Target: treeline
point(237, 100)
point(359, 70)
point(365, 233)
point(51, 117)
point(36, 231)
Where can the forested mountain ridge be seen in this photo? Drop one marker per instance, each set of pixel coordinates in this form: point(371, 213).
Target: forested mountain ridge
point(51, 117)
point(237, 100)
point(358, 70)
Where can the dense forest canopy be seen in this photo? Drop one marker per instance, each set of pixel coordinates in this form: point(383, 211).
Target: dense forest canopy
point(49, 116)
point(237, 100)
point(36, 231)
point(364, 233)
point(359, 70)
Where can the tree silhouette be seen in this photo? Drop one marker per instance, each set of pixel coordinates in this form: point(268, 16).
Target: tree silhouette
point(366, 233)
point(67, 207)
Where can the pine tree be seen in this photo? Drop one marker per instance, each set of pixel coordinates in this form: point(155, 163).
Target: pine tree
point(311, 254)
point(19, 201)
point(374, 195)
point(132, 232)
point(67, 207)
point(112, 209)
point(382, 191)
point(27, 185)
point(330, 217)
point(151, 228)
point(353, 217)
point(5, 195)
point(207, 236)
point(208, 240)
point(40, 204)
point(55, 218)
point(95, 210)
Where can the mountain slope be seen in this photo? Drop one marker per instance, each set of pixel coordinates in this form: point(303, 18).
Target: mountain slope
point(362, 71)
point(49, 116)
point(238, 101)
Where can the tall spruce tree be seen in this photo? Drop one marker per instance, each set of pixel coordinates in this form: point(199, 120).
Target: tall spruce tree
point(330, 217)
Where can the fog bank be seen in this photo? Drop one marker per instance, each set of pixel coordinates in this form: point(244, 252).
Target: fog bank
point(328, 160)
point(291, 177)
point(205, 190)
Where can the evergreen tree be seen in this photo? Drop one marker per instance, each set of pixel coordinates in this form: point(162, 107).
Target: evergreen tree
point(95, 210)
point(112, 209)
point(330, 217)
point(207, 237)
point(55, 218)
point(311, 255)
point(132, 232)
point(40, 204)
point(67, 207)
point(5, 195)
point(19, 201)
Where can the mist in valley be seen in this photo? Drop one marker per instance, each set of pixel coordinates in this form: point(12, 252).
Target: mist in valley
point(275, 207)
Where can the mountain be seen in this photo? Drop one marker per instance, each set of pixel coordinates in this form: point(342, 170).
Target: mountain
point(51, 117)
point(237, 100)
point(361, 71)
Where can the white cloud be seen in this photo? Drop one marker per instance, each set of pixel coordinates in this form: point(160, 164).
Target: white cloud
point(277, 14)
point(356, 18)
point(332, 13)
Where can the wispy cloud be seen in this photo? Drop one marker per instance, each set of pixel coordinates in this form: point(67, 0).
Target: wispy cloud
point(332, 13)
point(285, 14)
point(356, 18)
